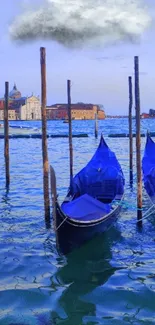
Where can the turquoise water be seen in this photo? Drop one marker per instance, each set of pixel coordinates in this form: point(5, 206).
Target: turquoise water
point(110, 280)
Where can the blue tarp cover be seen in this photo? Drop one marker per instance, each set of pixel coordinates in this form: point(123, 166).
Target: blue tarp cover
point(148, 166)
point(85, 208)
point(102, 177)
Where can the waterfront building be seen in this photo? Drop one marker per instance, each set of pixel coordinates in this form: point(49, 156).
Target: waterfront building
point(80, 111)
point(1, 114)
point(145, 115)
point(31, 110)
point(11, 114)
point(152, 112)
point(21, 108)
point(1, 104)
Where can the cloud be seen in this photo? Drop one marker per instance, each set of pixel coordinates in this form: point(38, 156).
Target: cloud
point(78, 23)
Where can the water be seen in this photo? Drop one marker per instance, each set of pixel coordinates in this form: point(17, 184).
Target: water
point(110, 280)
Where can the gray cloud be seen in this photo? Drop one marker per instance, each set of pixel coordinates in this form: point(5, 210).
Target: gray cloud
point(82, 22)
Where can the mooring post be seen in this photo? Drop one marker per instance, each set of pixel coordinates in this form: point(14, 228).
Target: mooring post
point(130, 132)
point(44, 136)
point(96, 125)
point(6, 135)
point(70, 128)
point(138, 142)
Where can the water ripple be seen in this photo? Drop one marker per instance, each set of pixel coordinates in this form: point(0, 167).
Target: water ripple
point(110, 280)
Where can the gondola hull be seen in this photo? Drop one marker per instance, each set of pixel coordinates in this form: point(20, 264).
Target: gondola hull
point(148, 166)
point(71, 235)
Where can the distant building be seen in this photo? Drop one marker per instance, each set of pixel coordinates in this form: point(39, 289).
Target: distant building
point(1, 114)
point(11, 114)
point(152, 112)
point(80, 111)
point(1, 104)
point(52, 113)
point(21, 108)
point(145, 115)
point(101, 114)
point(31, 110)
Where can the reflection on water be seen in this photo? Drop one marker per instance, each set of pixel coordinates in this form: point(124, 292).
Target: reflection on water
point(84, 270)
point(110, 280)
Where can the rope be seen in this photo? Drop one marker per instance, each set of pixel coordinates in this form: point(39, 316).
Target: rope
point(152, 206)
point(145, 216)
point(61, 223)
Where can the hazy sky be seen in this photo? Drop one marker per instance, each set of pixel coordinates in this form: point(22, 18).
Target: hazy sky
point(99, 72)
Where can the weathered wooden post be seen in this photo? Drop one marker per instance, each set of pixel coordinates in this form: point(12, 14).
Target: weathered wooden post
point(70, 128)
point(44, 136)
point(96, 125)
point(130, 132)
point(138, 142)
point(6, 135)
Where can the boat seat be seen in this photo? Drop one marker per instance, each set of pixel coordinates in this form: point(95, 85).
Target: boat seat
point(85, 208)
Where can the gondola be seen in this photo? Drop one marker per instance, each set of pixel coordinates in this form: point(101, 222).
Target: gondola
point(148, 167)
point(93, 201)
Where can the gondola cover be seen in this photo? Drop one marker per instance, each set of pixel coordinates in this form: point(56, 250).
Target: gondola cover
point(101, 179)
point(148, 166)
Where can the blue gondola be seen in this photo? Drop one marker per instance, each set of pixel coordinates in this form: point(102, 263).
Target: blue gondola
point(93, 202)
point(148, 166)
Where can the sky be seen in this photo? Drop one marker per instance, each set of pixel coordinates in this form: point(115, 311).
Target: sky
point(98, 67)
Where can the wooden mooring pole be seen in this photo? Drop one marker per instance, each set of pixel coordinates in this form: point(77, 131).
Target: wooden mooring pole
point(138, 142)
point(44, 136)
point(96, 125)
point(6, 136)
point(70, 128)
point(130, 132)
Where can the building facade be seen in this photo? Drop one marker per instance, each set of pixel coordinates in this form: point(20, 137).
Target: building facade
point(80, 111)
point(152, 112)
point(11, 114)
point(1, 104)
point(31, 110)
point(145, 115)
point(1, 114)
point(24, 108)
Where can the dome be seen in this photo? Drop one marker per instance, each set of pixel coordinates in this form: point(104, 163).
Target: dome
point(15, 93)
